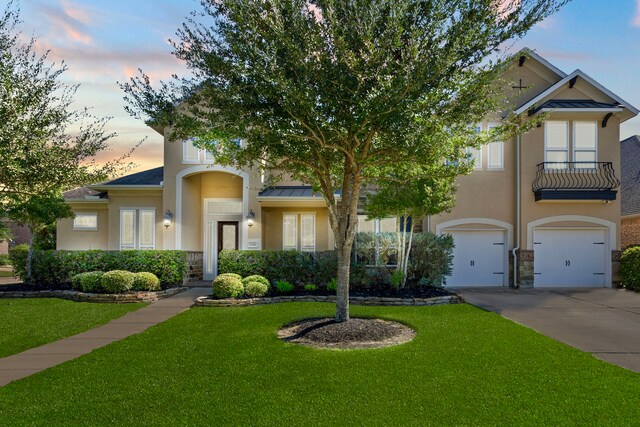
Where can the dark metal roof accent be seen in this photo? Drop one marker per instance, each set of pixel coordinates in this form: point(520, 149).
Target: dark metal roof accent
point(606, 119)
point(572, 103)
point(289, 191)
point(148, 177)
point(630, 175)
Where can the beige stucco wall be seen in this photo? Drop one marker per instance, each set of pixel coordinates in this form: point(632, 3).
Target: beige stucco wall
point(272, 227)
point(69, 239)
point(489, 194)
point(135, 200)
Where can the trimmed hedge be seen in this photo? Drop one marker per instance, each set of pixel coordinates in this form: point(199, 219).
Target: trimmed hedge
point(55, 268)
point(18, 255)
point(255, 289)
point(297, 268)
point(227, 286)
point(630, 268)
point(88, 282)
point(256, 278)
point(144, 281)
point(117, 281)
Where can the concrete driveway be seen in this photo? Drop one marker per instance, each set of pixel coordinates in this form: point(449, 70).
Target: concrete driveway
point(603, 322)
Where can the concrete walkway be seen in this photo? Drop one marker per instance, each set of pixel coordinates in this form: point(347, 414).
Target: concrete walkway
point(38, 359)
point(603, 322)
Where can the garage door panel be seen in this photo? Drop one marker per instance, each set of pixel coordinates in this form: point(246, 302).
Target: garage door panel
point(478, 258)
point(569, 258)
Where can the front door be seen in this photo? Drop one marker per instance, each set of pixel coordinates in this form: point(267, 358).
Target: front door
point(227, 235)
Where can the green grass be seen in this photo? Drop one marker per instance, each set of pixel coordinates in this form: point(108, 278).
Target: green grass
point(28, 323)
point(225, 366)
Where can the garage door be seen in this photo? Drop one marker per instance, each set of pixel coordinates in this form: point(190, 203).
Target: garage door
point(478, 258)
point(571, 258)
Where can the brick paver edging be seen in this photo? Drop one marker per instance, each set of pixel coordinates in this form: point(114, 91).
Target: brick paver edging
point(141, 296)
point(209, 302)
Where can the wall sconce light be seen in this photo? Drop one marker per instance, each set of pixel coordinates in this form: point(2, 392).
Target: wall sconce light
point(250, 217)
point(168, 218)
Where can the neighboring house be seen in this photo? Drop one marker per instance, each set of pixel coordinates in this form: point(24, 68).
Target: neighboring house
point(20, 234)
point(549, 196)
point(630, 189)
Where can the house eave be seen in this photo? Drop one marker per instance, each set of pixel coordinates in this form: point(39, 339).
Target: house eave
point(125, 187)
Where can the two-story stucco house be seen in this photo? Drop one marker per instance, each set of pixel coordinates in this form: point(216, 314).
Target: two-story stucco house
point(543, 204)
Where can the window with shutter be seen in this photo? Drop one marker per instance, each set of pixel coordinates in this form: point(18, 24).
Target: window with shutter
point(289, 231)
point(308, 232)
point(127, 229)
point(147, 229)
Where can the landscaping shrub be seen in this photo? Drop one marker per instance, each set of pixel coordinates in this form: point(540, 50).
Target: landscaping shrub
point(89, 282)
point(18, 255)
point(332, 285)
point(431, 258)
point(117, 281)
point(5, 260)
point(256, 278)
point(283, 286)
point(255, 289)
point(145, 281)
point(294, 267)
point(310, 287)
point(630, 268)
point(376, 248)
point(227, 285)
point(54, 268)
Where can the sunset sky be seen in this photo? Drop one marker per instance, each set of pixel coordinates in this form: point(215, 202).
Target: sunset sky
point(105, 42)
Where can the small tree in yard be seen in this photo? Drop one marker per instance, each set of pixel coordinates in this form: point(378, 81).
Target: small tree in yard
point(338, 93)
point(45, 145)
point(410, 201)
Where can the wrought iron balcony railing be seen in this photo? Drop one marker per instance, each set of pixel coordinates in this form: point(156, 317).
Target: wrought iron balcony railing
point(575, 181)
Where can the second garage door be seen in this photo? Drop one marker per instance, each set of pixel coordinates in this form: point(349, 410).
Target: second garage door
point(569, 258)
point(478, 258)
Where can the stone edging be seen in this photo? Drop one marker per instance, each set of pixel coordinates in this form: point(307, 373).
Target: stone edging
point(209, 302)
point(140, 296)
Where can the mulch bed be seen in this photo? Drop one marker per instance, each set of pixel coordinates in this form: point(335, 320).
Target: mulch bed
point(356, 333)
point(382, 292)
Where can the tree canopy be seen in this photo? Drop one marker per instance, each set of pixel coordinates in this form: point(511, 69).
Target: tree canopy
point(46, 146)
point(339, 93)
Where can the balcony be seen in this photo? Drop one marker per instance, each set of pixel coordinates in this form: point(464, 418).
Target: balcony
point(580, 181)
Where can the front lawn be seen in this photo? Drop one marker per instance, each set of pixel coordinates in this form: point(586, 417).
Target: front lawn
point(225, 366)
point(28, 323)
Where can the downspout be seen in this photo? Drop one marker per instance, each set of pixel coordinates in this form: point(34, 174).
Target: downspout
point(516, 247)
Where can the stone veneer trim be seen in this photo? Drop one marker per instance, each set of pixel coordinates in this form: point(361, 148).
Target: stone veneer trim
point(382, 301)
point(141, 296)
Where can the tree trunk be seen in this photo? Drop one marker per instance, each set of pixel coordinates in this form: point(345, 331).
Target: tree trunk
point(30, 257)
point(405, 264)
point(342, 291)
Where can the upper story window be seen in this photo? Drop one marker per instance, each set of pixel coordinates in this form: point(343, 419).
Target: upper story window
point(85, 221)
point(194, 155)
point(557, 147)
point(137, 228)
point(494, 153)
point(585, 143)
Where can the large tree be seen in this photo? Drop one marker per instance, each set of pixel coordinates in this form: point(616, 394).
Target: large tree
point(46, 146)
point(337, 93)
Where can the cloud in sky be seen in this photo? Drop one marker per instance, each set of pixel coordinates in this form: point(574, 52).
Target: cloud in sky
point(636, 19)
point(71, 20)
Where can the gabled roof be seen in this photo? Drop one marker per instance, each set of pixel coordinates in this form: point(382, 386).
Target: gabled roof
point(540, 59)
point(144, 178)
point(83, 193)
point(565, 81)
point(630, 175)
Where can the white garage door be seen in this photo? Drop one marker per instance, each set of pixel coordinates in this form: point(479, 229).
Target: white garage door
point(571, 258)
point(478, 258)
